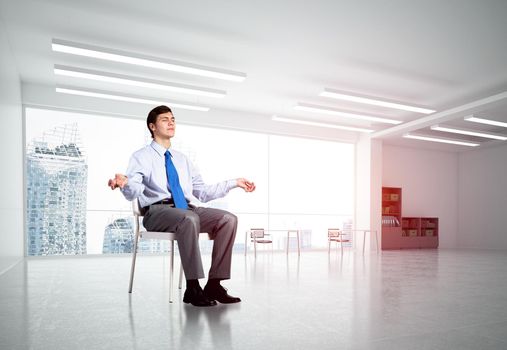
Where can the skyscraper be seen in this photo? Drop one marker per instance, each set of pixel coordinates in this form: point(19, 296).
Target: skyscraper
point(56, 193)
point(119, 238)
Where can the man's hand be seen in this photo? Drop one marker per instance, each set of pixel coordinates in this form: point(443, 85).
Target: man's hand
point(248, 186)
point(118, 181)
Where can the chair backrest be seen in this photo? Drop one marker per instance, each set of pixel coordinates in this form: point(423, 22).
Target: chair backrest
point(135, 207)
point(334, 232)
point(257, 233)
point(137, 211)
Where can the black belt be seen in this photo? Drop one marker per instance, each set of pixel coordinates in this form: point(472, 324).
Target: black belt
point(164, 201)
point(167, 201)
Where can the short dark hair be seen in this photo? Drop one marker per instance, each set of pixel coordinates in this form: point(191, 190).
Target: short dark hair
point(154, 113)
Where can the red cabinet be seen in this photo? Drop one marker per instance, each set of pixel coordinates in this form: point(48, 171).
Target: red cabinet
point(399, 232)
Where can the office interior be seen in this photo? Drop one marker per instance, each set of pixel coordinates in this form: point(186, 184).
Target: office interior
point(291, 59)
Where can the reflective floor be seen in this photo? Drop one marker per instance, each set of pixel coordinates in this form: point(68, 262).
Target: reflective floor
point(411, 299)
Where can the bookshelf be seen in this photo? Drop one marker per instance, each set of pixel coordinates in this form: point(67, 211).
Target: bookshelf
point(410, 227)
point(391, 206)
point(401, 232)
point(429, 227)
point(391, 217)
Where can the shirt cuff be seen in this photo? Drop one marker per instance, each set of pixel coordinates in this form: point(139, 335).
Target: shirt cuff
point(127, 192)
point(232, 184)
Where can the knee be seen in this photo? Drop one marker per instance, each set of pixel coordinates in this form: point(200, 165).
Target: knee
point(230, 219)
point(192, 219)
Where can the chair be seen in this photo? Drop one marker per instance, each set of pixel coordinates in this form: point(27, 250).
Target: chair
point(258, 235)
point(336, 235)
point(170, 236)
point(297, 238)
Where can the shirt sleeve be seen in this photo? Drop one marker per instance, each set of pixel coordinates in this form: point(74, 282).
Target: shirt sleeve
point(205, 192)
point(136, 172)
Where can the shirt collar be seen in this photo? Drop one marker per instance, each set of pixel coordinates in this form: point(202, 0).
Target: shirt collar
point(158, 148)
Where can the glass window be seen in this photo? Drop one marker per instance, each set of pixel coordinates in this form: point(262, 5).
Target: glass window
point(301, 183)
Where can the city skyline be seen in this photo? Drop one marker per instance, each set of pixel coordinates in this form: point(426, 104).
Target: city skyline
point(56, 193)
point(267, 159)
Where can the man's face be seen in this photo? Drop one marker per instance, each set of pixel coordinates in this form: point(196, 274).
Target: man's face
point(165, 125)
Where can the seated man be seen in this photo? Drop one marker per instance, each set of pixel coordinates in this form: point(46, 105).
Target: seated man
point(165, 182)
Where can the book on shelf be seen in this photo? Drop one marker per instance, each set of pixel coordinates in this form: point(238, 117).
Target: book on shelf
point(390, 221)
point(429, 233)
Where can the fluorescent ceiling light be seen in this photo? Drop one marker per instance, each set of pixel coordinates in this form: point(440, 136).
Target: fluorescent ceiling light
point(441, 140)
point(485, 121)
point(327, 110)
point(369, 101)
point(145, 61)
point(134, 81)
point(324, 125)
point(127, 98)
point(468, 132)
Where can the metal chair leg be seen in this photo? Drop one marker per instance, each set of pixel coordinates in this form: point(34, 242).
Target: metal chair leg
point(299, 249)
point(133, 267)
point(246, 239)
point(364, 240)
point(181, 276)
point(171, 269)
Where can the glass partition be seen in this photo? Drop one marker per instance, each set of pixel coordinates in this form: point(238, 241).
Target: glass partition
point(303, 184)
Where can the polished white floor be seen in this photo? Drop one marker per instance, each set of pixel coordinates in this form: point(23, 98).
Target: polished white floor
point(410, 299)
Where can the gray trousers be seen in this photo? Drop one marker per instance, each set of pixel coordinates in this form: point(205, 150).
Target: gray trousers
point(187, 224)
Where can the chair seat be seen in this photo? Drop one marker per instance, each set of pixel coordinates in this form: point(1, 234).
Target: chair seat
point(262, 240)
point(157, 235)
point(339, 240)
point(257, 235)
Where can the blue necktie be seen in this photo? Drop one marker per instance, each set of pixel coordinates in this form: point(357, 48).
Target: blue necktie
point(174, 183)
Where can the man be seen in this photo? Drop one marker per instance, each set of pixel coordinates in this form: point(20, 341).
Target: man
point(167, 184)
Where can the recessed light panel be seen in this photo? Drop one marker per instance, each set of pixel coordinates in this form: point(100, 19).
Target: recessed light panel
point(136, 81)
point(370, 101)
point(146, 61)
point(468, 132)
point(485, 121)
point(319, 124)
point(330, 111)
point(127, 98)
point(440, 140)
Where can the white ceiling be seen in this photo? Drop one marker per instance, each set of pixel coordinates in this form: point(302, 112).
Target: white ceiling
point(444, 55)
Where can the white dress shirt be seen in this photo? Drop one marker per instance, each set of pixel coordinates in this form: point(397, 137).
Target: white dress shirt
point(147, 178)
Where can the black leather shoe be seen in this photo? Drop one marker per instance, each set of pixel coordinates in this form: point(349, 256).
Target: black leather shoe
point(196, 297)
point(220, 294)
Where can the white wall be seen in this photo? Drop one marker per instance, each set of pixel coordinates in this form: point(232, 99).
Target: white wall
point(368, 188)
point(363, 184)
point(377, 150)
point(11, 158)
point(429, 182)
point(483, 198)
